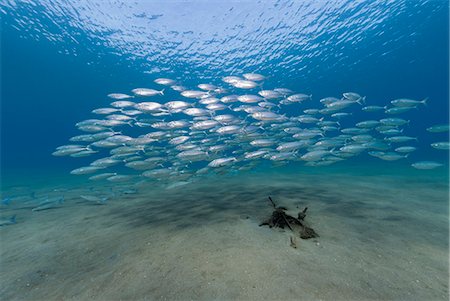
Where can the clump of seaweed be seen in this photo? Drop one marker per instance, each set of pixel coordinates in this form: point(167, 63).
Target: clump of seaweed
point(280, 219)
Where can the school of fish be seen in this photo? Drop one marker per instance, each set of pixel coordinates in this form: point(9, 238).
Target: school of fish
point(215, 129)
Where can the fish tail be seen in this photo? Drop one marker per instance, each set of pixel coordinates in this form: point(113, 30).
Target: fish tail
point(362, 100)
point(13, 219)
point(424, 102)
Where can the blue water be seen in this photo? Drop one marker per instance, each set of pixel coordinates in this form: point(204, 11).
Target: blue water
point(59, 61)
point(383, 225)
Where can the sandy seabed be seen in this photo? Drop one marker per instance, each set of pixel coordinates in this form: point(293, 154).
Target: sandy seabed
point(382, 237)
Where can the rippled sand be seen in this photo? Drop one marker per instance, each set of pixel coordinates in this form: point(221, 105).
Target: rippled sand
point(382, 237)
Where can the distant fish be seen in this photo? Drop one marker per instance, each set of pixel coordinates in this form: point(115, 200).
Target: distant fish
point(394, 121)
point(231, 79)
point(105, 111)
point(222, 162)
point(373, 108)
point(119, 96)
point(392, 156)
point(327, 100)
point(122, 104)
point(353, 96)
point(405, 102)
point(270, 94)
point(340, 115)
point(311, 111)
point(441, 128)
point(283, 91)
point(178, 88)
point(254, 76)
point(129, 191)
point(94, 199)
point(194, 94)
point(85, 170)
point(249, 98)
point(119, 178)
point(441, 145)
point(49, 204)
point(405, 149)
point(339, 105)
point(398, 110)
point(267, 116)
point(207, 87)
point(177, 106)
point(426, 165)
point(102, 176)
point(400, 139)
point(149, 107)
point(255, 154)
point(196, 112)
point(368, 124)
point(245, 84)
point(144, 92)
point(165, 81)
point(299, 97)
point(8, 221)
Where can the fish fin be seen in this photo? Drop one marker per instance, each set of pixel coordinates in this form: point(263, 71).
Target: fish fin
point(424, 102)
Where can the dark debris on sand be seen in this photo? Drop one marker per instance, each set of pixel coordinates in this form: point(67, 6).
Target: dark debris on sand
point(280, 219)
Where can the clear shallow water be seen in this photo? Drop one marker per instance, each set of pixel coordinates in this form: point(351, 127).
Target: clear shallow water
point(60, 60)
point(384, 51)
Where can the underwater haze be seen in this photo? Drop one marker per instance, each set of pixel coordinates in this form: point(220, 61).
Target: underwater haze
point(140, 142)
